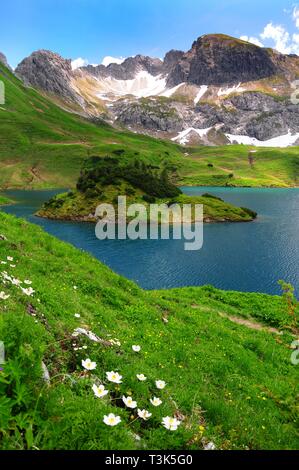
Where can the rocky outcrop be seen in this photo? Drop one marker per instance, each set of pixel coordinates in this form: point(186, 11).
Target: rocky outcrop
point(128, 69)
point(3, 60)
point(51, 73)
point(171, 59)
point(219, 59)
point(150, 115)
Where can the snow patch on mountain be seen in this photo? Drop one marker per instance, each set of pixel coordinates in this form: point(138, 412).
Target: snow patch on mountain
point(228, 91)
point(202, 91)
point(171, 91)
point(183, 137)
point(281, 141)
point(142, 86)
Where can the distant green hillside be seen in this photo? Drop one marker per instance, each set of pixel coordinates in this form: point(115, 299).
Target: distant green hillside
point(43, 146)
point(229, 378)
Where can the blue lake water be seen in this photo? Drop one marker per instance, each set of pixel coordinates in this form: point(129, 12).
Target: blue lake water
point(235, 256)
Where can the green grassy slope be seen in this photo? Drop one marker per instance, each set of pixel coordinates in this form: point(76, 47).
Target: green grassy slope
point(227, 383)
point(42, 146)
point(272, 167)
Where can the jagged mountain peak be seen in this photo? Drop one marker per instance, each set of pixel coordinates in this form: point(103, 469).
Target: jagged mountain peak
point(217, 59)
point(3, 59)
point(48, 71)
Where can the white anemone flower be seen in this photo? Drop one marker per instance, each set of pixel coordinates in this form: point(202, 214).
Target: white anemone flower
point(136, 348)
point(77, 315)
point(89, 365)
point(114, 377)
point(4, 296)
point(12, 265)
point(111, 420)
point(170, 423)
point(28, 291)
point(210, 446)
point(3, 262)
point(160, 384)
point(9, 258)
point(27, 282)
point(156, 401)
point(144, 414)
point(141, 377)
point(129, 402)
point(99, 391)
point(16, 282)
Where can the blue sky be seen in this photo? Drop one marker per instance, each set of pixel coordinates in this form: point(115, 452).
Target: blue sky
point(93, 29)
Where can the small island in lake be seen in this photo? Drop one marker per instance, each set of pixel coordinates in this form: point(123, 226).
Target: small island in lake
point(103, 180)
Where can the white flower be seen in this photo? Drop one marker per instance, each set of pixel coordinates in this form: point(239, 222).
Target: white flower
point(16, 282)
point(89, 365)
point(114, 342)
point(128, 401)
point(27, 282)
point(85, 347)
point(12, 265)
point(28, 291)
point(3, 296)
point(160, 384)
point(170, 423)
point(3, 262)
point(9, 258)
point(136, 348)
point(114, 377)
point(144, 414)
point(210, 446)
point(141, 377)
point(99, 391)
point(156, 401)
point(111, 420)
point(77, 315)
point(75, 287)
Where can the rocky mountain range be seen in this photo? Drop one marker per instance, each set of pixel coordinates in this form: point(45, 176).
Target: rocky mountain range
point(223, 90)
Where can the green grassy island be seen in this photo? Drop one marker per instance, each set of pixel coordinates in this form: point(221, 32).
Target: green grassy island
point(104, 179)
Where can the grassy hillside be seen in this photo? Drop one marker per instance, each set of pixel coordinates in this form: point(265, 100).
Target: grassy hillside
point(43, 146)
point(229, 383)
point(229, 165)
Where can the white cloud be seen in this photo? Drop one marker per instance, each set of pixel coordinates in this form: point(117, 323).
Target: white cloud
point(253, 40)
point(279, 35)
point(112, 60)
point(79, 63)
point(296, 16)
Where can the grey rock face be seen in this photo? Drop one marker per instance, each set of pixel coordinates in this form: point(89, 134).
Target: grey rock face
point(149, 115)
point(49, 72)
point(220, 59)
point(171, 59)
point(3, 60)
point(128, 69)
